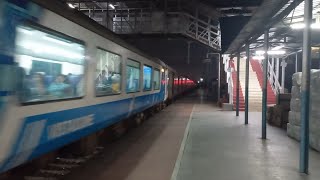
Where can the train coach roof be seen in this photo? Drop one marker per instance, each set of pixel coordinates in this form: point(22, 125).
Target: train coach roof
point(86, 22)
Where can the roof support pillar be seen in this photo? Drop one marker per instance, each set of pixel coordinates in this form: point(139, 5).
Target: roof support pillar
point(238, 83)
point(283, 74)
point(296, 64)
point(246, 116)
point(305, 88)
point(277, 70)
point(219, 76)
point(264, 88)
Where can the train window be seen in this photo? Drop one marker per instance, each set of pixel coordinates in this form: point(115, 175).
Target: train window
point(53, 66)
point(108, 73)
point(147, 77)
point(156, 79)
point(133, 76)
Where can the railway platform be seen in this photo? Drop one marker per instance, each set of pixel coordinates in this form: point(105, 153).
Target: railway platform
point(193, 139)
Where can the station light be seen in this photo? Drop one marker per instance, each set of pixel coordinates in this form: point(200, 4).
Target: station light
point(315, 26)
point(276, 52)
point(297, 26)
point(71, 5)
point(259, 52)
point(302, 25)
point(112, 6)
point(271, 52)
point(201, 79)
point(162, 70)
point(198, 82)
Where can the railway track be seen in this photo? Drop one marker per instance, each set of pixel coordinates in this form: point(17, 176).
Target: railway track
point(61, 167)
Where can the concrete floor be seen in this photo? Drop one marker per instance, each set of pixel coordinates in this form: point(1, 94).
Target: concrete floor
point(216, 146)
point(219, 146)
point(147, 152)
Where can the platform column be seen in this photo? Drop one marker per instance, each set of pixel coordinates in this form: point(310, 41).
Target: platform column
point(264, 88)
point(296, 64)
point(238, 83)
point(283, 74)
point(277, 69)
point(305, 88)
point(246, 116)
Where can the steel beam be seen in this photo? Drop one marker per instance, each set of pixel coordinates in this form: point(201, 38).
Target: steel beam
point(219, 76)
point(246, 116)
point(305, 88)
point(264, 88)
point(283, 74)
point(238, 84)
point(296, 64)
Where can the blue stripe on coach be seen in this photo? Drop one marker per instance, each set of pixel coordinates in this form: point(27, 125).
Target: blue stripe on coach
point(104, 115)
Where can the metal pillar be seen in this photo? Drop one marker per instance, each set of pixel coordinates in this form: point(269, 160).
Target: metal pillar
point(305, 88)
point(272, 71)
point(219, 77)
point(188, 58)
point(283, 74)
point(296, 62)
point(264, 88)
point(277, 69)
point(246, 116)
point(238, 84)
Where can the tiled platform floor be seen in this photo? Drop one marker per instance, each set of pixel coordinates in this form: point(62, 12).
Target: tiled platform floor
point(220, 147)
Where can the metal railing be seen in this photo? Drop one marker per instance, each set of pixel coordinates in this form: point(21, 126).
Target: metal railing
point(202, 31)
point(228, 70)
point(273, 78)
point(171, 22)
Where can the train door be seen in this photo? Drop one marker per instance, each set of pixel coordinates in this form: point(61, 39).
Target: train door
point(170, 85)
point(166, 84)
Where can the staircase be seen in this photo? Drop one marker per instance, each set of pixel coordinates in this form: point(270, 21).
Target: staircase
point(255, 86)
point(271, 98)
point(241, 97)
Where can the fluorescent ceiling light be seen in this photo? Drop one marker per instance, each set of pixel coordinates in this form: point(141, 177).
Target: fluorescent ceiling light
point(71, 5)
point(259, 52)
point(297, 26)
point(315, 26)
point(302, 25)
point(112, 6)
point(276, 52)
point(272, 52)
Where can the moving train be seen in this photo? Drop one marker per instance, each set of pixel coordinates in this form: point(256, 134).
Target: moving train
point(64, 77)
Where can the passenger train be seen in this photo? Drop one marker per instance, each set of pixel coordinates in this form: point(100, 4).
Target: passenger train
point(64, 77)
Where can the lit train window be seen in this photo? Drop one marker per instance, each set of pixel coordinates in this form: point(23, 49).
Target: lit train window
point(147, 77)
point(53, 65)
point(133, 76)
point(156, 79)
point(108, 73)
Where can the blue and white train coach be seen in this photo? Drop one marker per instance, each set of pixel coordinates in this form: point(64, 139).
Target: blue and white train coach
point(64, 77)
